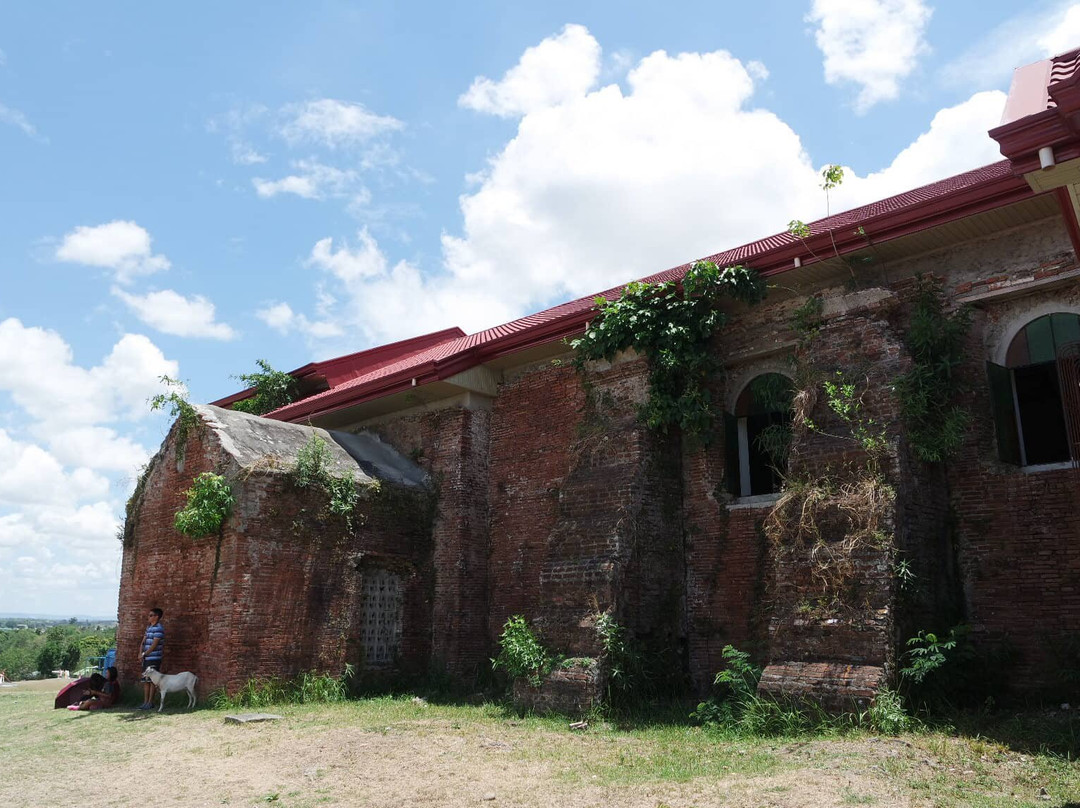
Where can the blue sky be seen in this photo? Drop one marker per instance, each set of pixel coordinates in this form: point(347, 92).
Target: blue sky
point(185, 190)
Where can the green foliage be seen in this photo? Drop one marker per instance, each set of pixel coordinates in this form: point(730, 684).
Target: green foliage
point(738, 708)
point(946, 671)
point(799, 229)
point(312, 469)
point(60, 650)
point(927, 392)
point(273, 389)
point(630, 678)
point(175, 401)
point(131, 509)
point(520, 653)
point(887, 714)
point(66, 646)
point(672, 325)
point(927, 653)
point(806, 319)
point(209, 503)
point(310, 687)
point(741, 676)
point(831, 176)
point(312, 463)
point(846, 401)
point(774, 393)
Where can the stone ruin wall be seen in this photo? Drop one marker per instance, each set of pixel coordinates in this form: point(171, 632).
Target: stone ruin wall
point(557, 505)
point(285, 588)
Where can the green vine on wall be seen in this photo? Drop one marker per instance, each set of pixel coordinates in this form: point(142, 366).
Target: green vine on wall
point(672, 325)
point(927, 393)
point(179, 408)
point(312, 469)
point(209, 503)
point(273, 389)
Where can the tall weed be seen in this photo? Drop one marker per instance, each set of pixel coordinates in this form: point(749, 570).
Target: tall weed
point(309, 687)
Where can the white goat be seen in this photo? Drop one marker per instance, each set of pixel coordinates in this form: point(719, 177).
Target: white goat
point(168, 682)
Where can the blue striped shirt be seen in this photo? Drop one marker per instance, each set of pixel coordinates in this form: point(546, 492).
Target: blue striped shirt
point(154, 632)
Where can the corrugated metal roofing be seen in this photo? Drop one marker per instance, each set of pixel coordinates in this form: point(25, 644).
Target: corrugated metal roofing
point(454, 354)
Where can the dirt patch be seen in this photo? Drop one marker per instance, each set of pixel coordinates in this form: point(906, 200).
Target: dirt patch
point(395, 753)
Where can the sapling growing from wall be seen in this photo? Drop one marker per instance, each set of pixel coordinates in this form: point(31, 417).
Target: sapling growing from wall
point(273, 389)
point(520, 653)
point(209, 503)
point(313, 463)
point(175, 401)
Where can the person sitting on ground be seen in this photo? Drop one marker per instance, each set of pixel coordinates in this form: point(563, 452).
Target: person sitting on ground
point(105, 697)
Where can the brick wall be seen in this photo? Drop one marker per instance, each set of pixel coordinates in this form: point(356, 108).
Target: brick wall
point(277, 593)
point(585, 512)
point(1017, 532)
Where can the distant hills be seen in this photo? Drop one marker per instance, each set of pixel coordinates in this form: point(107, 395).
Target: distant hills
point(82, 618)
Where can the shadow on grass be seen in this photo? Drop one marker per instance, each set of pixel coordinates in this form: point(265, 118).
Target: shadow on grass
point(1034, 732)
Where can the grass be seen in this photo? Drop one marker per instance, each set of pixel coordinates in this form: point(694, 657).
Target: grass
point(401, 751)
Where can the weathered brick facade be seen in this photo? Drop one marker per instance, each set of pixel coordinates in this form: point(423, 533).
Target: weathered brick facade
point(281, 589)
point(552, 501)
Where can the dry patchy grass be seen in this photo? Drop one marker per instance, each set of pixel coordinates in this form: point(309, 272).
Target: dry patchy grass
point(396, 752)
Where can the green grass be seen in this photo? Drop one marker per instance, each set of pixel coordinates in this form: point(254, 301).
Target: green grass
point(974, 760)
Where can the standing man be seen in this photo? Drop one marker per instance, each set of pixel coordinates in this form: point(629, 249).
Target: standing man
point(153, 651)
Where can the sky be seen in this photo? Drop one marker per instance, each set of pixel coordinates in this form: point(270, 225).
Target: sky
point(186, 189)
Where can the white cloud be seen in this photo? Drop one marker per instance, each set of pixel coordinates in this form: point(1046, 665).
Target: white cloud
point(30, 475)
point(956, 141)
point(1063, 35)
point(121, 246)
point(333, 123)
point(37, 369)
point(244, 154)
point(60, 554)
point(604, 187)
point(1020, 40)
point(95, 447)
point(172, 313)
point(314, 180)
point(873, 44)
point(301, 186)
point(17, 119)
point(349, 265)
point(61, 491)
point(281, 318)
point(559, 69)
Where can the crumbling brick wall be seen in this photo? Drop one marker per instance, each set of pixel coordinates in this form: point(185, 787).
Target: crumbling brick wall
point(278, 591)
point(453, 445)
point(585, 511)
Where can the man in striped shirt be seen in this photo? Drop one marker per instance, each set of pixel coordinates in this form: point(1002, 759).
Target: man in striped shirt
point(152, 654)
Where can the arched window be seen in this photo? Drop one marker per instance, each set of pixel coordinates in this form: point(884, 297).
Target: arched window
point(1035, 393)
point(758, 436)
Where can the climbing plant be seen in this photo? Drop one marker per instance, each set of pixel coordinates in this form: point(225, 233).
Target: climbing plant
point(175, 400)
point(672, 324)
point(313, 469)
point(209, 503)
point(273, 389)
point(927, 393)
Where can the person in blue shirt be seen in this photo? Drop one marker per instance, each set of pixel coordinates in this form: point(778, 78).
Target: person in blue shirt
point(152, 654)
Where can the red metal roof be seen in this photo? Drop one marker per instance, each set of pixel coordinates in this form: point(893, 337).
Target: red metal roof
point(343, 368)
point(1042, 109)
point(943, 201)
